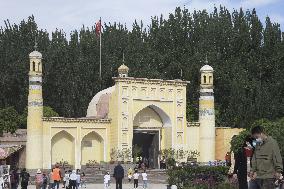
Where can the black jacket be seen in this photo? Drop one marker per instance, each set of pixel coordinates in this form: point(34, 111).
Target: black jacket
point(118, 172)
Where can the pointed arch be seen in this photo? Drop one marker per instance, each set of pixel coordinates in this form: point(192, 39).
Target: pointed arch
point(92, 148)
point(165, 119)
point(62, 148)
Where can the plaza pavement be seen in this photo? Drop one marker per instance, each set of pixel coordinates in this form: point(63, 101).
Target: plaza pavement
point(125, 186)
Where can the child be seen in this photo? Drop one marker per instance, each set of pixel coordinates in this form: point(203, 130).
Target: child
point(83, 180)
point(106, 180)
point(66, 179)
point(144, 178)
point(129, 173)
point(135, 177)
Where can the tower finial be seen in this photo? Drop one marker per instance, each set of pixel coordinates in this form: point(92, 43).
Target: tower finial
point(35, 47)
point(206, 59)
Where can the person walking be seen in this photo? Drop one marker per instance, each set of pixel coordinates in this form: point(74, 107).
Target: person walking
point(129, 174)
point(83, 180)
point(241, 163)
point(38, 179)
point(106, 180)
point(118, 175)
point(145, 179)
point(66, 179)
point(25, 178)
point(135, 178)
point(73, 180)
point(78, 180)
point(56, 175)
point(14, 179)
point(44, 180)
point(51, 181)
point(266, 161)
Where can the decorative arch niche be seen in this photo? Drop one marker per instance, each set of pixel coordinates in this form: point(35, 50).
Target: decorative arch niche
point(92, 148)
point(62, 148)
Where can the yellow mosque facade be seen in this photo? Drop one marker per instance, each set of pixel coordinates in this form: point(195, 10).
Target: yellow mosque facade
point(149, 112)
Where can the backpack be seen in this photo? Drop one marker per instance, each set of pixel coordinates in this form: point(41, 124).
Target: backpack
point(44, 179)
point(25, 177)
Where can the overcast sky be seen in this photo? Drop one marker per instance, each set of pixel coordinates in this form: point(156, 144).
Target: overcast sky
point(72, 14)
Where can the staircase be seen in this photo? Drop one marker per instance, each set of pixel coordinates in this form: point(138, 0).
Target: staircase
point(96, 174)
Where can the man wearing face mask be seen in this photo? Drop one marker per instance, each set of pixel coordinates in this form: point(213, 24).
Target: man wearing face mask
point(266, 161)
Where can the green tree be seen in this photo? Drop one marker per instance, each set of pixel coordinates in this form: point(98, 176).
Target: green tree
point(9, 120)
point(47, 112)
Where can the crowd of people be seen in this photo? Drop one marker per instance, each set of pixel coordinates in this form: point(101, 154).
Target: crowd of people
point(72, 179)
point(48, 180)
point(258, 164)
point(118, 174)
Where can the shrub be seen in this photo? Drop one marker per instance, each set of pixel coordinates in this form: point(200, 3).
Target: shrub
point(198, 176)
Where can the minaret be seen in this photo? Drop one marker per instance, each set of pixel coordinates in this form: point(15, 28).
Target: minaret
point(206, 115)
point(35, 113)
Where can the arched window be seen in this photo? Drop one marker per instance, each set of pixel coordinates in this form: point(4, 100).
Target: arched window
point(34, 66)
point(210, 79)
point(204, 79)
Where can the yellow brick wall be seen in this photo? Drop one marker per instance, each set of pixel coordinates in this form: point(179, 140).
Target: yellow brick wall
point(223, 138)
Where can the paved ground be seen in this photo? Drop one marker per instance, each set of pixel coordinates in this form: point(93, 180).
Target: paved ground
point(125, 186)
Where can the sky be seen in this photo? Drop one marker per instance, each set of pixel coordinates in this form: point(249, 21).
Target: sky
point(72, 14)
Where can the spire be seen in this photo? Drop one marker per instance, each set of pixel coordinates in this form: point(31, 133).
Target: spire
point(35, 47)
point(206, 60)
point(123, 58)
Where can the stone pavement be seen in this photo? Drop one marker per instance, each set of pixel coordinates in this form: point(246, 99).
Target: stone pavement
point(125, 186)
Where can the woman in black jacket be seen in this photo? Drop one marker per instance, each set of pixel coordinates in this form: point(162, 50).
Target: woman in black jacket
point(240, 168)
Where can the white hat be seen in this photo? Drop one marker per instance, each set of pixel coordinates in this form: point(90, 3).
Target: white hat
point(38, 171)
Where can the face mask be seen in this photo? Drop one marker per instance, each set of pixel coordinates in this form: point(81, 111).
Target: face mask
point(259, 140)
point(254, 143)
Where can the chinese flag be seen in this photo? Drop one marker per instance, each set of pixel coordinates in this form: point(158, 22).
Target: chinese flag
point(98, 28)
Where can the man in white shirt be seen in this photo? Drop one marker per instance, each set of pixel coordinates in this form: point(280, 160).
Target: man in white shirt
point(135, 178)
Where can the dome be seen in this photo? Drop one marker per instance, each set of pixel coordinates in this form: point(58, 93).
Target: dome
point(35, 54)
point(99, 105)
point(123, 69)
point(206, 68)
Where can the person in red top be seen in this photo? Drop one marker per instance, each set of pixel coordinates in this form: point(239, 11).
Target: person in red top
point(56, 175)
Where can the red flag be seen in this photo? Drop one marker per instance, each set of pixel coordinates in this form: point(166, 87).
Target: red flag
point(98, 28)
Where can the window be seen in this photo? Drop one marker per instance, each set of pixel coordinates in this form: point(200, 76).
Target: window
point(204, 79)
point(33, 66)
point(38, 66)
point(210, 79)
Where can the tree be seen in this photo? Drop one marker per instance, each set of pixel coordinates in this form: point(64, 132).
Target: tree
point(247, 57)
point(47, 112)
point(9, 120)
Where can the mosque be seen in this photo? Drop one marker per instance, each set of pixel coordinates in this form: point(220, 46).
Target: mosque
point(135, 111)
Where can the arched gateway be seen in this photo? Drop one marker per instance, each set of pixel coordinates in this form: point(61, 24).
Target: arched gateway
point(148, 126)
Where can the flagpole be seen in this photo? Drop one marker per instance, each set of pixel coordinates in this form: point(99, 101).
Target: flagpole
point(100, 49)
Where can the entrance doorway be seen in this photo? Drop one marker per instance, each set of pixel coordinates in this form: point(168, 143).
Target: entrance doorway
point(149, 143)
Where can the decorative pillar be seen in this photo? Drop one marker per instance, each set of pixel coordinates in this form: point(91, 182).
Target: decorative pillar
point(206, 116)
point(34, 143)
